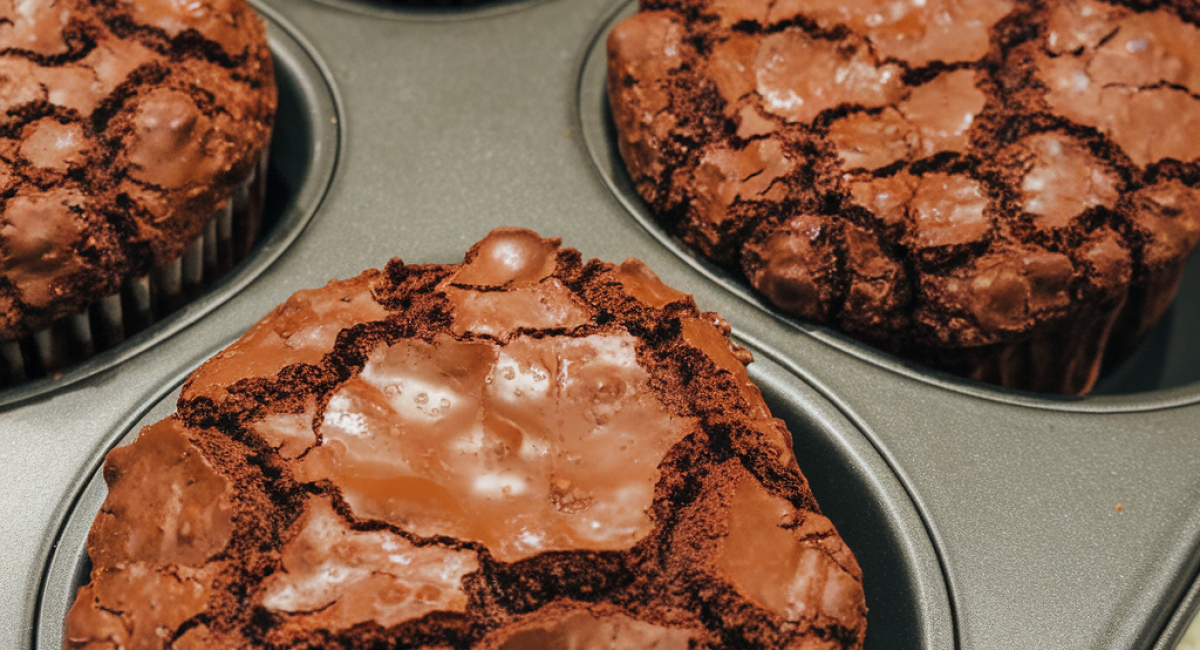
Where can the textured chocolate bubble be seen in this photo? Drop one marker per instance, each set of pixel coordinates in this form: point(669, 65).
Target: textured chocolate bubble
point(862, 162)
point(580, 461)
point(148, 114)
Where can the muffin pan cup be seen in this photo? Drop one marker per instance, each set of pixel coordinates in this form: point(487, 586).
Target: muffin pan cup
point(906, 596)
point(261, 218)
point(985, 519)
point(226, 238)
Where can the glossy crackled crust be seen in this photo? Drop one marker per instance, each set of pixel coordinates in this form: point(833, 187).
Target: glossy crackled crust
point(123, 128)
point(523, 451)
point(999, 189)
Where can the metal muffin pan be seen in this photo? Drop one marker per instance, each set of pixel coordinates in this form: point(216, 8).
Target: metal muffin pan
point(985, 519)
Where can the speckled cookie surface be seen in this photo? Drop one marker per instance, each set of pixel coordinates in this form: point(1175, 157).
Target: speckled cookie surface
point(524, 450)
point(1001, 189)
point(123, 127)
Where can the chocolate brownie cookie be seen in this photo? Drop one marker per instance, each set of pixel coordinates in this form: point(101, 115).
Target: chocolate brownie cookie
point(126, 129)
point(524, 450)
point(1004, 190)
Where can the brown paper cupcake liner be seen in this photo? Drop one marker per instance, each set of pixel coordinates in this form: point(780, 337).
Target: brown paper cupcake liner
point(227, 238)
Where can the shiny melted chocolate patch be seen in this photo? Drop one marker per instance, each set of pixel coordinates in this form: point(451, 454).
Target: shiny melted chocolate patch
point(584, 631)
point(801, 582)
point(513, 452)
point(540, 444)
point(337, 577)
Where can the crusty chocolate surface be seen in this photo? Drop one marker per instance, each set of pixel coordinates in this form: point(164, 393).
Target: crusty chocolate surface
point(524, 450)
point(1001, 189)
point(123, 127)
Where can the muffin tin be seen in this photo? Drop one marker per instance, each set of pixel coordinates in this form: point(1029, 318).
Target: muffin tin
point(984, 519)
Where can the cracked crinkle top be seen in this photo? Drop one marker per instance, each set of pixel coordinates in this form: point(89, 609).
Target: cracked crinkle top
point(123, 127)
point(1001, 189)
point(522, 451)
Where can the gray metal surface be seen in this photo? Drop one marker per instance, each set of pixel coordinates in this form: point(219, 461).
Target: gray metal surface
point(449, 123)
